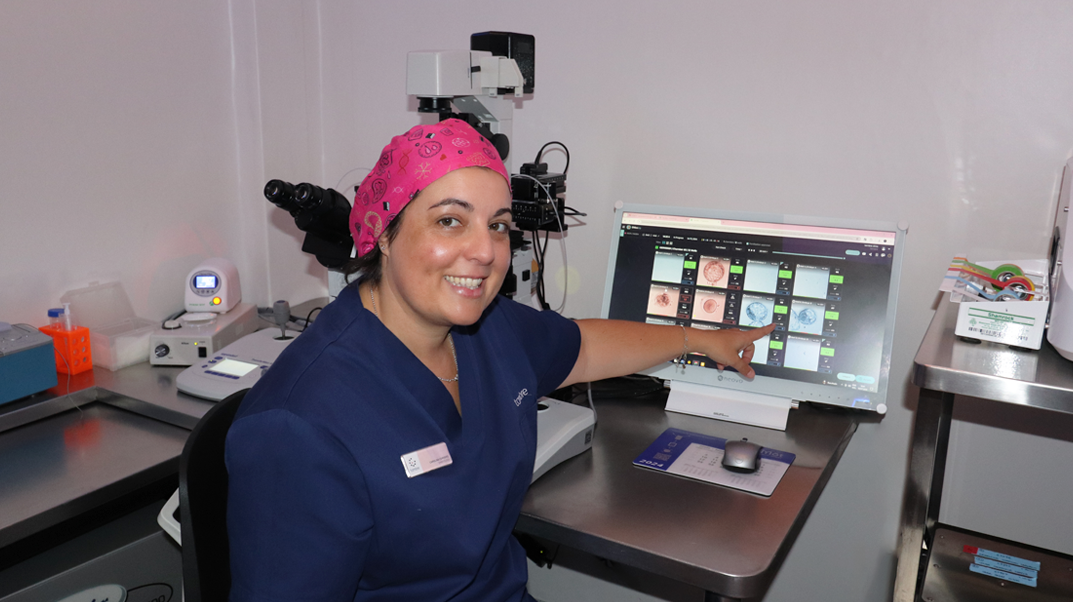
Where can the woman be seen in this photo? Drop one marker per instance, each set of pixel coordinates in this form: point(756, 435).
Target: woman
point(386, 454)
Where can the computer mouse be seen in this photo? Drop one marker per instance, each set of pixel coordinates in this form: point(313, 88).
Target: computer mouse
point(741, 456)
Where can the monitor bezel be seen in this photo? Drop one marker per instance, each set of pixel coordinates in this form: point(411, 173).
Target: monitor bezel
point(779, 387)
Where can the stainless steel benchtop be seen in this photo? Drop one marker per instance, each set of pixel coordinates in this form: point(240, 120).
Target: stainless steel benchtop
point(62, 456)
point(719, 539)
point(1039, 379)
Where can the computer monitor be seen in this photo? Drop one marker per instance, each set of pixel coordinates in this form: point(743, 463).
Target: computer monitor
point(829, 285)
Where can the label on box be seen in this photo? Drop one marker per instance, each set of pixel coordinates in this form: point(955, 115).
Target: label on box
point(1017, 325)
point(993, 324)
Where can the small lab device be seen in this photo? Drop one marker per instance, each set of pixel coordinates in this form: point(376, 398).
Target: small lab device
point(830, 286)
point(213, 286)
point(191, 338)
point(564, 430)
point(27, 361)
point(235, 367)
point(215, 317)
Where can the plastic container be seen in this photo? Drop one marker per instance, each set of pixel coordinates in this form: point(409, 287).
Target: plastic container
point(118, 338)
point(55, 317)
point(74, 352)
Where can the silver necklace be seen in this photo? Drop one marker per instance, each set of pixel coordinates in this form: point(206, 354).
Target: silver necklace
point(450, 342)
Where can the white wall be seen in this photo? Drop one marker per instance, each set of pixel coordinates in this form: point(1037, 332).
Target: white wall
point(135, 138)
point(130, 150)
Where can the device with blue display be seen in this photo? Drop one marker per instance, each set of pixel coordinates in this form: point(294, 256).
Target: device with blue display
point(213, 286)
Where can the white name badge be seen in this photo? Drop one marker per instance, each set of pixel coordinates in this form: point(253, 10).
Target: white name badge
point(426, 460)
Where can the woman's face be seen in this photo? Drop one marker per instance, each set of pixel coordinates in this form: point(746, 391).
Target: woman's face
point(452, 250)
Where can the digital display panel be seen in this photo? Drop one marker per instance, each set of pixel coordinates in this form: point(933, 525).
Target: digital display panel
point(829, 286)
point(233, 367)
point(205, 281)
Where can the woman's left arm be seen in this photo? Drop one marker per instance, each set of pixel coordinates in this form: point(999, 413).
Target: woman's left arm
point(618, 347)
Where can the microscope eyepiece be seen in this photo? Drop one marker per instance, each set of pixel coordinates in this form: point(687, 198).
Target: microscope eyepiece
point(281, 194)
point(308, 196)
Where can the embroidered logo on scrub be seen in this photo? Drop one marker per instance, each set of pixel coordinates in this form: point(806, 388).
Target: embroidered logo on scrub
point(520, 397)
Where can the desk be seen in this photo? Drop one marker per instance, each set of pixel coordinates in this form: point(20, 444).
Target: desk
point(58, 464)
point(715, 538)
point(944, 366)
point(726, 542)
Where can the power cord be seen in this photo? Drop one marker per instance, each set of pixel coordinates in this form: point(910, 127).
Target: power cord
point(540, 153)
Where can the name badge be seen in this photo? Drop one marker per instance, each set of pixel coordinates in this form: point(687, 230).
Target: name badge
point(426, 460)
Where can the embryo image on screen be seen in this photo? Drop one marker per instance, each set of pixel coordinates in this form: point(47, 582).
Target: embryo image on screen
point(806, 317)
point(714, 271)
point(811, 281)
point(802, 353)
point(663, 300)
point(667, 267)
point(760, 352)
point(761, 276)
point(709, 306)
point(756, 310)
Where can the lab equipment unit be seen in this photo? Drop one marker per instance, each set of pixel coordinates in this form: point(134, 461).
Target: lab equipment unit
point(235, 367)
point(1060, 329)
point(191, 338)
point(27, 362)
point(564, 430)
point(215, 317)
point(213, 286)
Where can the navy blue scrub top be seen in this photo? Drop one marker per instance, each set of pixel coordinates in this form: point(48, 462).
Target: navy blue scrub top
point(320, 507)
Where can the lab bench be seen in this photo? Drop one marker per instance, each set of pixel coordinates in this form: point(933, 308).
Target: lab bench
point(934, 559)
point(60, 464)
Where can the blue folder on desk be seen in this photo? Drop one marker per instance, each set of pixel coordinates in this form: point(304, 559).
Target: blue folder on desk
point(700, 457)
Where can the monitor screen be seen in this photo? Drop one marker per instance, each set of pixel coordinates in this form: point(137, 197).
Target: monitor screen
point(830, 286)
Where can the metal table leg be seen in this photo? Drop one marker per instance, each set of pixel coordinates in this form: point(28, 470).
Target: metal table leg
point(923, 490)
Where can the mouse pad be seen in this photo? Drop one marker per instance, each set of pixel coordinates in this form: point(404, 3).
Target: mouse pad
point(700, 457)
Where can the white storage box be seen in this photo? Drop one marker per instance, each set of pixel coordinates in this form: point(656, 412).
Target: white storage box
point(118, 338)
point(1015, 323)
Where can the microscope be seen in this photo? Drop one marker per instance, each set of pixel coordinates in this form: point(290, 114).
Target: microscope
point(480, 86)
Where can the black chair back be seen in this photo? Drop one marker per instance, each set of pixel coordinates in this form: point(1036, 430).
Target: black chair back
point(203, 505)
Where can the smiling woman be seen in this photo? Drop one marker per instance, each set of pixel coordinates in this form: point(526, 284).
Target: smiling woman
point(386, 453)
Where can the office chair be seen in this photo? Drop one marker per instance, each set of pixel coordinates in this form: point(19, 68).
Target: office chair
point(203, 505)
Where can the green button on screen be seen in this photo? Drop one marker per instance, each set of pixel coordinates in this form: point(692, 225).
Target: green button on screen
point(776, 345)
point(827, 351)
point(830, 315)
point(736, 269)
point(836, 279)
point(781, 309)
point(786, 274)
point(691, 265)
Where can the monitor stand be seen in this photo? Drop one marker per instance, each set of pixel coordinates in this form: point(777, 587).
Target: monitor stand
point(756, 409)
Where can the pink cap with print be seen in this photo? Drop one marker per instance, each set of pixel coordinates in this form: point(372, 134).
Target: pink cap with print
point(408, 165)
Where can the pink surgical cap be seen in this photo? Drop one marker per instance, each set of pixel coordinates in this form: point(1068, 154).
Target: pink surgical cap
point(408, 165)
